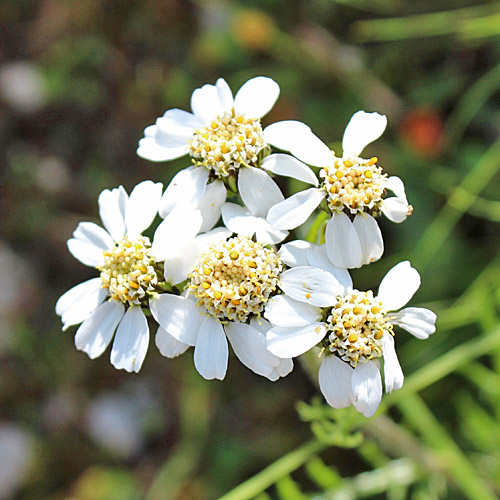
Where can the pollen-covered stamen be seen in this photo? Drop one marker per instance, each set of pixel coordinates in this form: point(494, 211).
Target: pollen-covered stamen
point(128, 271)
point(235, 279)
point(356, 325)
point(229, 142)
point(354, 184)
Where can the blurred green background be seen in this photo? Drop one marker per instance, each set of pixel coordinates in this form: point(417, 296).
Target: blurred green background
point(80, 80)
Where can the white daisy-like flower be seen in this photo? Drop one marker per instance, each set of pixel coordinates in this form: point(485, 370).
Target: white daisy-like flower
point(132, 269)
point(229, 286)
point(223, 136)
point(354, 189)
point(353, 328)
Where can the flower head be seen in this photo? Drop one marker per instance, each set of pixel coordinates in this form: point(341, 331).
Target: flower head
point(354, 189)
point(229, 285)
point(132, 270)
point(353, 328)
point(224, 138)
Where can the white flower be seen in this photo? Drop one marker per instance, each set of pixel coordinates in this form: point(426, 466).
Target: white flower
point(354, 330)
point(223, 136)
point(130, 271)
point(229, 285)
point(354, 188)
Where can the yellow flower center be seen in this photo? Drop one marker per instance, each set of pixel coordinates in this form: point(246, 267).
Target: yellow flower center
point(235, 278)
point(354, 184)
point(128, 271)
point(231, 141)
point(356, 325)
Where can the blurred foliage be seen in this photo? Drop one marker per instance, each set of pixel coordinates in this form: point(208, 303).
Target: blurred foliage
point(79, 81)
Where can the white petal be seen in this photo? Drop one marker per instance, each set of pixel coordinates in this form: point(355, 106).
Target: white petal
point(367, 388)
point(88, 232)
point(393, 375)
point(239, 219)
point(168, 346)
point(283, 369)
point(312, 150)
point(311, 285)
point(342, 242)
point(178, 266)
point(95, 333)
point(179, 122)
point(78, 303)
point(112, 207)
point(395, 209)
point(205, 103)
point(211, 203)
point(370, 238)
point(169, 135)
point(150, 150)
point(292, 342)
point(87, 253)
point(418, 321)
point(211, 352)
point(398, 286)
point(88, 244)
point(142, 207)
point(260, 324)
point(284, 135)
point(288, 166)
point(266, 234)
point(362, 129)
point(176, 231)
point(131, 341)
point(250, 347)
point(203, 241)
point(258, 191)
point(225, 94)
point(317, 257)
point(281, 310)
point(295, 253)
point(335, 382)
point(395, 184)
point(178, 315)
point(186, 188)
point(256, 97)
point(295, 210)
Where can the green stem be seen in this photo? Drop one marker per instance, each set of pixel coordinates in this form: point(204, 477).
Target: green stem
point(312, 235)
point(444, 365)
point(402, 472)
point(473, 183)
point(457, 464)
point(270, 475)
point(469, 104)
point(422, 25)
point(183, 460)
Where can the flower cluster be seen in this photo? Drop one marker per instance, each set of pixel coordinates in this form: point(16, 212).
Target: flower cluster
point(209, 286)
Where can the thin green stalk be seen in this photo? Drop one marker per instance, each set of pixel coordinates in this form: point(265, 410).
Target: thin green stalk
point(402, 472)
point(422, 25)
point(183, 460)
point(282, 467)
point(444, 365)
point(313, 233)
point(471, 101)
point(434, 434)
point(473, 183)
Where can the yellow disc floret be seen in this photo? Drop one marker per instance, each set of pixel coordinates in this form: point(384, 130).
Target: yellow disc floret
point(355, 184)
point(128, 271)
point(235, 279)
point(229, 142)
point(356, 325)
